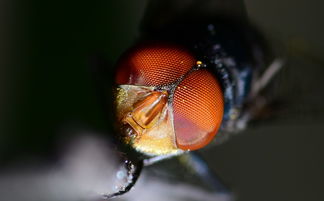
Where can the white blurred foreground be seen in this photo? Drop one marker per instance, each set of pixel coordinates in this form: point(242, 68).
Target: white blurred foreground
point(88, 169)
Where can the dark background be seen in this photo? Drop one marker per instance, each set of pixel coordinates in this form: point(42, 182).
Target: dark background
point(47, 49)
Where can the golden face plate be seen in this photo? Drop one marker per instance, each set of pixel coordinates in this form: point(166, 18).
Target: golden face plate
point(145, 118)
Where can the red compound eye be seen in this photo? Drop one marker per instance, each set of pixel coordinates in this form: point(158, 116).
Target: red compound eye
point(154, 64)
point(198, 110)
point(197, 104)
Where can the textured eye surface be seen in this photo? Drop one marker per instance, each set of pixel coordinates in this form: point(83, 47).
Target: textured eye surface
point(154, 64)
point(198, 110)
point(184, 114)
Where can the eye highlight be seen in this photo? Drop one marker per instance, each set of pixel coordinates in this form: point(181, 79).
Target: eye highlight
point(154, 64)
point(197, 109)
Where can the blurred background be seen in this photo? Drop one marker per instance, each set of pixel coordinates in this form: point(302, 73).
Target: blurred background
point(47, 49)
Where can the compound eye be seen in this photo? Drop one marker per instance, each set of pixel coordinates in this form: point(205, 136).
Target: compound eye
point(154, 64)
point(198, 110)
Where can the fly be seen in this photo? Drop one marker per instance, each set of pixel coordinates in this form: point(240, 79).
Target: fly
point(185, 86)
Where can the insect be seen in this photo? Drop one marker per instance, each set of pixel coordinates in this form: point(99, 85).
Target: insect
point(181, 88)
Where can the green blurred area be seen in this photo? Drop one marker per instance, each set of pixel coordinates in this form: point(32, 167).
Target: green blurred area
point(50, 83)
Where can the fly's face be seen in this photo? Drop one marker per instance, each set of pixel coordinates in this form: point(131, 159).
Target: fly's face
point(166, 102)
